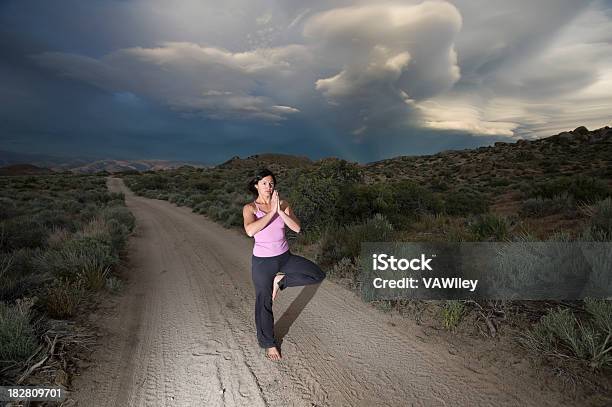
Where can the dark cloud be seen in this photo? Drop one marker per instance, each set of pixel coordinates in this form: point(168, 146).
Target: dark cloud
point(148, 78)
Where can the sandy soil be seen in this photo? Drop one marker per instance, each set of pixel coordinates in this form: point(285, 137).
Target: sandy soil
point(182, 334)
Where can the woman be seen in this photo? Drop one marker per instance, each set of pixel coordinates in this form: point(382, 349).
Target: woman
point(274, 267)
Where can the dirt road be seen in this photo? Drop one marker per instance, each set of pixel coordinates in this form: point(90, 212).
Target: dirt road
point(183, 335)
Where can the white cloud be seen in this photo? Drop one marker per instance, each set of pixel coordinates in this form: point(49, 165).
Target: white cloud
point(191, 78)
point(523, 79)
point(386, 54)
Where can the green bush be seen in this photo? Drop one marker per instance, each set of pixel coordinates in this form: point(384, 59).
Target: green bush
point(8, 208)
point(21, 232)
point(490, 227)
point(339, 242)
point(118, 234)
point(18, 276)
point(76, 256)
point(464, 202)
point(559, 334)
point(600, 220)
point(357, 202)
point(50, 218)
point(536, 207)
point(314, 199)
point(412, 199)
point(451, 313)
point(94, 278)
point(583, 189)
point(17, 336)
point(121, 214)
point(63, 297)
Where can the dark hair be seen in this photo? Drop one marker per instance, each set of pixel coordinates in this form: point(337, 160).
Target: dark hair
point(261, 174)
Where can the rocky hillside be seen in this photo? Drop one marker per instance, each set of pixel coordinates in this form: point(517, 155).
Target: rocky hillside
point(266, 160)
point(575, 152)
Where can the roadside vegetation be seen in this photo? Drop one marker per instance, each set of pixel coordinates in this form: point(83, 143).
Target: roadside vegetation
point(61, 239)
point(543, 190)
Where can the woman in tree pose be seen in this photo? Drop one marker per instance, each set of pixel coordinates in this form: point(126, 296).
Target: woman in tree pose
point(274, 267)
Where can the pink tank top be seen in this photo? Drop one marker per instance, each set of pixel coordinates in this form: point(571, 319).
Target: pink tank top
point(270, 241)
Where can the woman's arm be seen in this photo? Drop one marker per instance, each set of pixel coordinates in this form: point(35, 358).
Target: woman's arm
point(253, 225)
point(289, 217)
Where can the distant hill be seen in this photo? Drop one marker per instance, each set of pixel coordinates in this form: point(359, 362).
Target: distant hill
point(266, 160)
point(24, 169)
point(579, 151)
point(89, 165)
point(113, 166)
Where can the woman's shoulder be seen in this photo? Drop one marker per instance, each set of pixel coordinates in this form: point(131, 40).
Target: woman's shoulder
point(250, 206)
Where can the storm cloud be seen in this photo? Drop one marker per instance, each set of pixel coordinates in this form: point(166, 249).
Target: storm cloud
point(349, 75)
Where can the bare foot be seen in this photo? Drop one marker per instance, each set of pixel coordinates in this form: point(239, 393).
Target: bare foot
point(273, 354)
point(275, 286)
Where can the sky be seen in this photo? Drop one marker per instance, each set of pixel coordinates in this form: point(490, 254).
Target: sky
point(204, 80)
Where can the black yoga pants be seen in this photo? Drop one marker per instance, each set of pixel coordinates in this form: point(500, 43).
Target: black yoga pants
point(298, 271)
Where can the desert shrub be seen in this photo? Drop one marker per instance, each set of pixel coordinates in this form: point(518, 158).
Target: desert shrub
point(68, 205)
point(583, 189)
point(451, 314)
point(499, 182)
point(178, 199)
point(196, 199)
point(413, 199)
point(75, 256)
point(314, 199)
point(116, 198)
point(50, 218)
point(98, 197)
point(118, 234)
point(400, 202)
point(459, 233)
point(114, 285)
point(534, 207)
point(121, 214)
point(21, 232)
point(339, 242)
point(17, 335)
point(341, 171)
point(559, 334)
point(599, 226)
point(57, 237)
point(63, 297)
point(8, 208)
point(464, 202)
point(231, 218)
point(17, 274)
point(439, 185)
point(357, 202)
point(96, 229)
point(93, 278)
point(314, 194)
point(152, 181)
point(347, 267)
point(88, 212)
point(201, 185)
point(431, 223)
point(490, 227)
